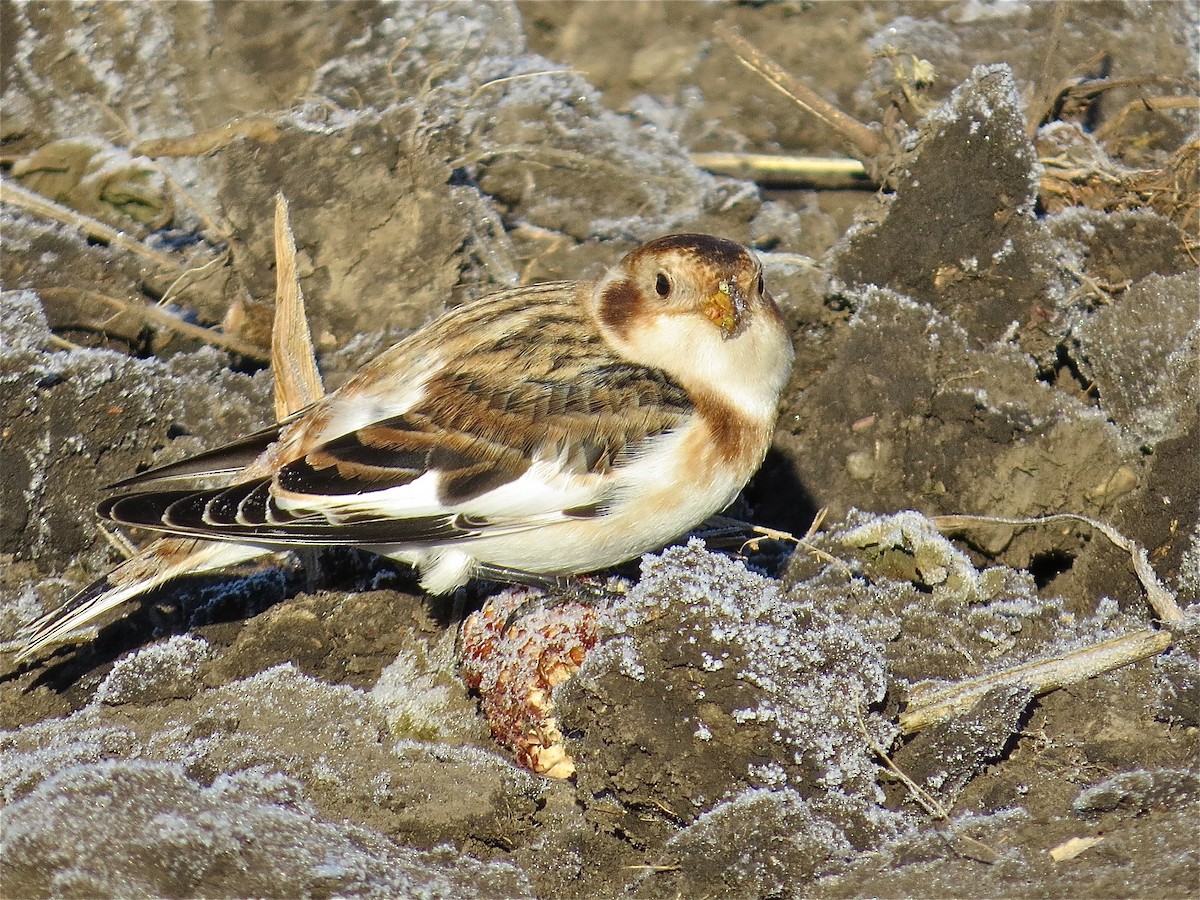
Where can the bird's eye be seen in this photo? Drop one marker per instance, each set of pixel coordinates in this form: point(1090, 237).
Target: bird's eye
point(662, 285)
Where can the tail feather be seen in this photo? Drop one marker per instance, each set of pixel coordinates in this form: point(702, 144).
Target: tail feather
point(160, 562)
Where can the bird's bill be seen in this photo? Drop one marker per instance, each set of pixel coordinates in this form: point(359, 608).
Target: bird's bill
point(724, 309)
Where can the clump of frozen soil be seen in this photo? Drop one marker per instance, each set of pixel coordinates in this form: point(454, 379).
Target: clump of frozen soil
point(135, 827)
point(77, 419)
point(715, 682)
point(173, 755)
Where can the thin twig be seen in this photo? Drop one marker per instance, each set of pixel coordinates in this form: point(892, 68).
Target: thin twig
point(185, 276)
point(864, 138)
point(1154, 104)
point(786, 169)
point(62, 343)
point(263, 129)
point(554, 156)
point(1049, 56)
point(926, 800)
point(815, 525)
point(507, 78)
point(118, 542)
point(773, 534)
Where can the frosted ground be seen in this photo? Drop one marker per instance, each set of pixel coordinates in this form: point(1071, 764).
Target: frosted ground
point(969, 341)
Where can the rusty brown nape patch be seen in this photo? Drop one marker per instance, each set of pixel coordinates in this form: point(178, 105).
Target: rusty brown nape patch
point(619, 305)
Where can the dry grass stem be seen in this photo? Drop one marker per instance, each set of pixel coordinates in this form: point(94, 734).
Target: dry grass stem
point(1161, 600)
point(767, 534)
point(778, 258)
point(293, 363)
point(1084, 90)
point(62, 343)
point(763, 533)
point(215, 230)
point(865, 139)
point(15, 195)
point(507, 78)
point(815, 525)
point(157, 315)
point(118, 542)
point(789, 170)
point(924, 799)
point(928, 705)
point(201, 143)
point(551, 157)
point(187, 276)
point(1156, 104)
point(1049, 55)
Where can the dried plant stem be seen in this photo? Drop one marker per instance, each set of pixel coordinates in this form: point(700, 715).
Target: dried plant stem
point(1160, 599)
point(727, 531)
point(1049, 55)
point(930, 705)
point(293, 364)
point(783, 169)
point(158, 315)
point(865, 139)
point(118, 541)
point(15, 195)
point(186, 277)
point(1156, 104)
point(924, 799)
point(507, 78)
point(62, 343)
point(263, 129)
point(1072, 847)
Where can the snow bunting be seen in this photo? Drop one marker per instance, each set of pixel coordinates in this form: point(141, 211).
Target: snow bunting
point(538, 432)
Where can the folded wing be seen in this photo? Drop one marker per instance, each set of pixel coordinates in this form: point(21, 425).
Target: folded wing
point(475, 456)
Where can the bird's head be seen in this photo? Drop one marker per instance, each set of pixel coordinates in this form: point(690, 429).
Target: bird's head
point(695, 306)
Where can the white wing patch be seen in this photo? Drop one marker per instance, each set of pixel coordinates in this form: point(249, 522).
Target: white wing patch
point(539, 496)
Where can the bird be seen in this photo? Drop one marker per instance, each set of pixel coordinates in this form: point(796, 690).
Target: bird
point(541, 432)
